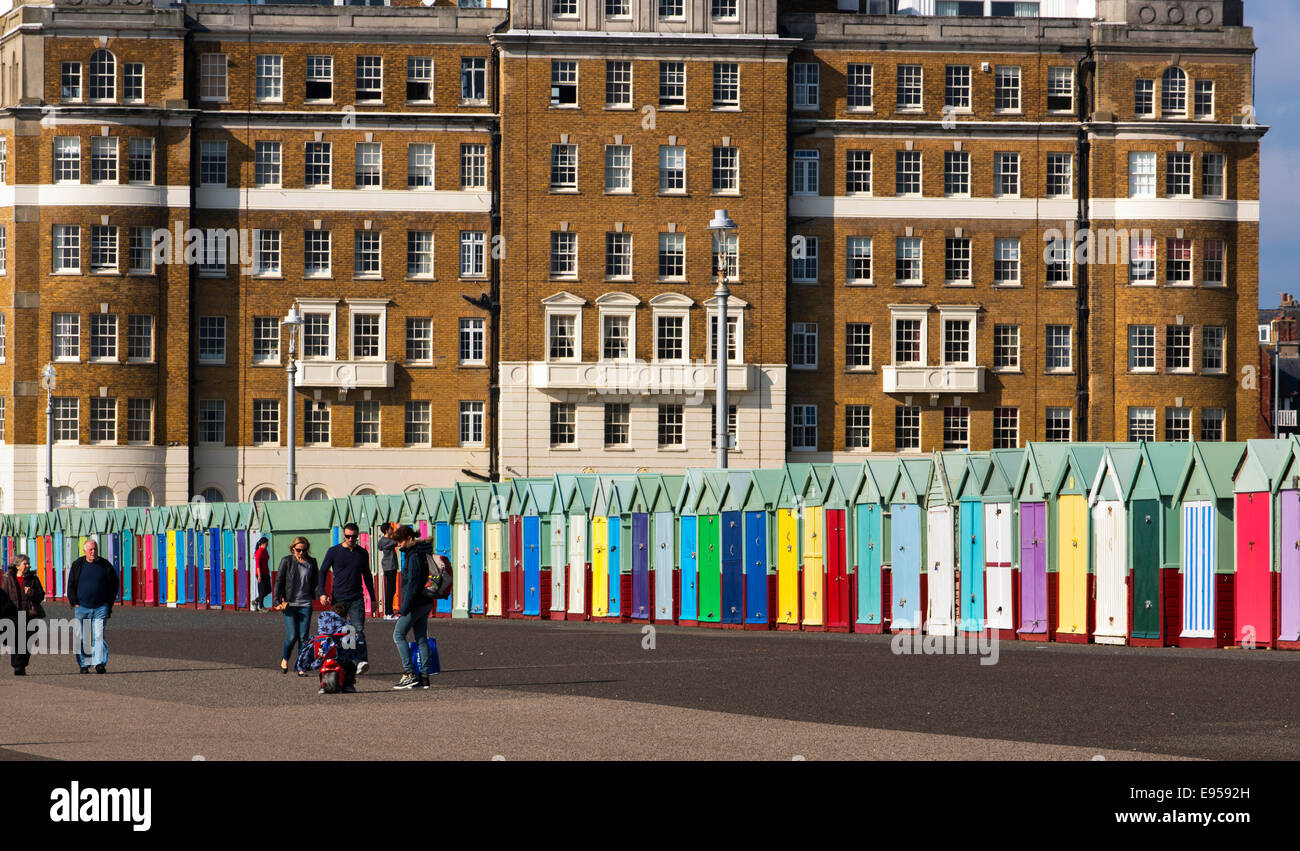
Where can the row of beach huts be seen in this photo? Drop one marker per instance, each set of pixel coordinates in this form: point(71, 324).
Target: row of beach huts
point(1155, 544)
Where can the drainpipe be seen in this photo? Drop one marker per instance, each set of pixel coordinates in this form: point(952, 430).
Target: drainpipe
point(494, 293)
point(1083, 151)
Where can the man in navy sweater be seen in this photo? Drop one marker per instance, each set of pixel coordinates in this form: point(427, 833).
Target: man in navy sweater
point(92, 591)
point(351, 566)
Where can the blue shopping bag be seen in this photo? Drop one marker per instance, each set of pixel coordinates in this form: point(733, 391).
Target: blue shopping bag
point(434, 666)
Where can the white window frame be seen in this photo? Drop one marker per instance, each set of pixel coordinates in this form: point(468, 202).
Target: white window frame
point(329, 307)
point(471, 329)
point(803, 424)
point(805, 80)
point(806, 172)
point(803, 336)
point(214, 85)
point(617, 306)
point(472, 417)
point(269, 78)
point(853, 251)
point(1069, 340)
point(368, 307)
point(960, 315)
point(906, 312)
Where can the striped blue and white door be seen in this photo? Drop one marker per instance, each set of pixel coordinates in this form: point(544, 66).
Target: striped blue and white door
point(1198, 569)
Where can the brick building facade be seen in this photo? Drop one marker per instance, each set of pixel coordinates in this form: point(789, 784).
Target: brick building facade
point(493, 222)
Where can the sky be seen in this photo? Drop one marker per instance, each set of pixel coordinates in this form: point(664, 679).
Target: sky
point(1277, 36)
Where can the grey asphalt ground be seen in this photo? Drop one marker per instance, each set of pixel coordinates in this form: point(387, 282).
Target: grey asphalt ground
point(185, 684)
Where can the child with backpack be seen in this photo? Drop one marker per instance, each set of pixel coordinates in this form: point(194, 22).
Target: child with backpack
point(425, 581)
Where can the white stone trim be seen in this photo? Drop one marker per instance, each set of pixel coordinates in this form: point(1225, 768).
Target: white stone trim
point(94, 194)
point(342, 200)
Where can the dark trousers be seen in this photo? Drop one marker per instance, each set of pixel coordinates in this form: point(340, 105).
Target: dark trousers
point(19, 661)
point(357, 616)
point(390, 590)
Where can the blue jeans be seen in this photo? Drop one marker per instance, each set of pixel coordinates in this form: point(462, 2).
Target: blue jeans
point(95, 618)
point(297, 620)
point(417, 621)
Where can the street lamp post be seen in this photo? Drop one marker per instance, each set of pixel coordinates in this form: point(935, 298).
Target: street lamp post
point(48, 379)
point(293, 321)
point(722, 228)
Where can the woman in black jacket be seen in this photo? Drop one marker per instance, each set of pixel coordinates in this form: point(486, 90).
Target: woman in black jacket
point(22, 588)
point(416, 607)
point(295, 588)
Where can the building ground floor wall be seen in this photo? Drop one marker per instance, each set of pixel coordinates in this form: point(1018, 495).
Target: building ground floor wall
point(236, 473)
point(162, 471)
point(527, 396)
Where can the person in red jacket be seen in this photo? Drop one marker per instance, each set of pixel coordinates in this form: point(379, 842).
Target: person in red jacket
point(262, 560)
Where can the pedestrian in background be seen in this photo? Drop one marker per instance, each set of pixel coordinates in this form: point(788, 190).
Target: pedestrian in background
point(295, 588)
point(262, 561)
point(92, 591)
point(24, 590)
point(388, 562)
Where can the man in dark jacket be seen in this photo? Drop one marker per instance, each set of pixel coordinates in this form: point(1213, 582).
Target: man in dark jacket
point(351, 566)
point(92, 590)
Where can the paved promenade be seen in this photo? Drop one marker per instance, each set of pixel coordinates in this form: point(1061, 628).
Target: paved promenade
point(186, 683)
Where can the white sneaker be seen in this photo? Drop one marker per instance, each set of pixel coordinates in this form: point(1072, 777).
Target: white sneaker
point(362, 667)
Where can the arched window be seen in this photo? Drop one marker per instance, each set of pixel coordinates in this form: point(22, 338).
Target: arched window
point(103, 497)
point(212, 495)
point(139, 498)
point(365, 492)
point(1173, 99)
point(316, 494)
point(103, 76)
point(65, 497)
point(265, 495)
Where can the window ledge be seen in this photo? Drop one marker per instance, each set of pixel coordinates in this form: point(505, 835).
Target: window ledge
point(271, 363)
point(104, 361)
point(1006, 371)
point(858, 284)
point(859, 370)
point(672, 449)
point(564, 190)
point(1008, 286)
point(472, 366)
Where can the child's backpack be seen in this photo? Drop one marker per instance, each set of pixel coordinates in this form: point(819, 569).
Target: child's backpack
point(438, 585)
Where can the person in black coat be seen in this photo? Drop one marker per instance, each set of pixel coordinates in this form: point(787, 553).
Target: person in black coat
point(416, 606)
point(22, 589)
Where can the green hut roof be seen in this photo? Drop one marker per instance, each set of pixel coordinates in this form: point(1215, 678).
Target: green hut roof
point(913, 480)
point(974, 478)
point(1168, 460)
point(1264, 467)
point(1038, 471)
point(1002, 479)
point(1116, 474)
point(1209, 471)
